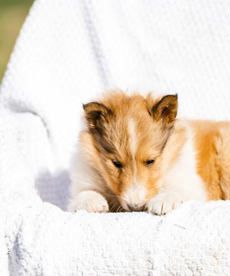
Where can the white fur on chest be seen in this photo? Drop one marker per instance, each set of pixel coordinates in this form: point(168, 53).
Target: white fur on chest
point(182, 177)
point(179, 183)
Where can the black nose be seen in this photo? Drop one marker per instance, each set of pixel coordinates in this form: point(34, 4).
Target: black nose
point(136, 207)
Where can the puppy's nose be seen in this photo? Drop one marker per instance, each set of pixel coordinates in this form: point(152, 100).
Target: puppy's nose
point(135, 207)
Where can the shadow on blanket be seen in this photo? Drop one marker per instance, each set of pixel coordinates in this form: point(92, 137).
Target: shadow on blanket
point(54, 188)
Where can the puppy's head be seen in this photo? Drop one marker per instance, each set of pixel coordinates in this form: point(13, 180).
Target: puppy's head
point(129, 134)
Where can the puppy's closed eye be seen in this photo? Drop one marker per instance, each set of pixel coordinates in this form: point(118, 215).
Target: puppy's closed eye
point(117, 164)
point(149, 162)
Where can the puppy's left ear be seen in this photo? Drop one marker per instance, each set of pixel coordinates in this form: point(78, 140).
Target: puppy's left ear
point(165, 109)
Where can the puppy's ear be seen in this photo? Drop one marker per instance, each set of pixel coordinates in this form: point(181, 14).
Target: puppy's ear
point(96, 115)
point(165, 110)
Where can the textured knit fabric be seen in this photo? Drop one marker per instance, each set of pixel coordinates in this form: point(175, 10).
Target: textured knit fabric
point(68, 52)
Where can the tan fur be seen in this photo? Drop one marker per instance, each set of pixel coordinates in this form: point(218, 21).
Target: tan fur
point(213, 156)
point(159, 137)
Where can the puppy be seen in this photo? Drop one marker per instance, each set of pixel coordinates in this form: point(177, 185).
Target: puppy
point(135, 155)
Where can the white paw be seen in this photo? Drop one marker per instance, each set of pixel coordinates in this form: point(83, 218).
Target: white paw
point(163, 203)
point(90, 201)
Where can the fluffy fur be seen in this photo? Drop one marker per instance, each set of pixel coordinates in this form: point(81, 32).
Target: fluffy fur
point(135, 155)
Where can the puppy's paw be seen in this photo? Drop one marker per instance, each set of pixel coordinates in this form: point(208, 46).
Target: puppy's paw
point(164, 203)
point(90, 201)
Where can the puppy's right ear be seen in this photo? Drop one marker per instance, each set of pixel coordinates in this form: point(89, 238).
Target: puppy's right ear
point(96, 115)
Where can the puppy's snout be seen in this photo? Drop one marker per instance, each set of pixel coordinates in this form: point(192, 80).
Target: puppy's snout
point(136, 207)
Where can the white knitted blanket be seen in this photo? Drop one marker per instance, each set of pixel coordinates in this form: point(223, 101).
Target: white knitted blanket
point(68, 52)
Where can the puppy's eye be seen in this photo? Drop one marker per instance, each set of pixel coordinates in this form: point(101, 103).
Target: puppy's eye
point(149, 162)
point(117, 164)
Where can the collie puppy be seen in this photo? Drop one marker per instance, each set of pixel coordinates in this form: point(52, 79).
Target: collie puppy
point(135, 155)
